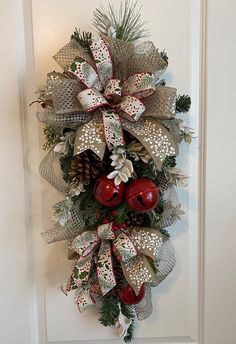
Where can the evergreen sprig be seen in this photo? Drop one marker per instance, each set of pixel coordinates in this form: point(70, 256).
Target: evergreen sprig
point(51, 137)
point(183, 104)
point(129, 313)
point(164, 56)
point(83, 38)
point(89, 206)
point(125, 23)
point(109, 310)
point(65, 163)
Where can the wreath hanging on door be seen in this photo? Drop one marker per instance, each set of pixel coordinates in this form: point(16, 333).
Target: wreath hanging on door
point(111, 126)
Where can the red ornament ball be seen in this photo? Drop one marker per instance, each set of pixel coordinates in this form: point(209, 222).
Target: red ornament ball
point(142, 195)
point(107, 193)
point(128, 296)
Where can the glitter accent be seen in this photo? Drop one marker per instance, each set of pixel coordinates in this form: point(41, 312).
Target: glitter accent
point(147, 241)
point(90, 136)
point(137, 271)
point(155, 138)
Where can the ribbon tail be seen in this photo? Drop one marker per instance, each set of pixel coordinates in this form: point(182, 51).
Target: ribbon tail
point(137, 271)
point(84, 298)
point(105, 272)
point(112, 129)
point(90, 136)
point(123, 247)
point(144, 308)
point(154, 137)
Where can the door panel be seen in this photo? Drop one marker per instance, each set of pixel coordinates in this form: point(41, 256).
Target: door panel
point(196, 303)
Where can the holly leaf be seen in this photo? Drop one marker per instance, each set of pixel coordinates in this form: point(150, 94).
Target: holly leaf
point(73, 67)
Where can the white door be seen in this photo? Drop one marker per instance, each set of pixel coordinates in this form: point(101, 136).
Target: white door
point(196, 303)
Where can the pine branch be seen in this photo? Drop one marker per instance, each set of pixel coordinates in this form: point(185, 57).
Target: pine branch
point(165, 233)
point(129, 313)
point(89, 206)
point(65, 163)
point(183, 104)
point(109, 310)
point(125, 24)
point(175, 176)
point(51, 137)
point(164, 56)
point(161, 82)
point(170, 161)
point(84, 38)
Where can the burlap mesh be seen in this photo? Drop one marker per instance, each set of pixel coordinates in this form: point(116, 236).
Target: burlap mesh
point(170, 207)
point(51, 78)
point(121, 52)
point(69, 231)
point(64, 95)
point(69, 52)
point(165, 262)
point(146, 59)
point(162, 104)
point(72, 120)
point(50, 170)
point(144, 308)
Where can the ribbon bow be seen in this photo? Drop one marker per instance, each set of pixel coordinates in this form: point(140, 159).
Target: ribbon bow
point(132, 248)
point(88, 242)
point(116, 103)
point(105, 91)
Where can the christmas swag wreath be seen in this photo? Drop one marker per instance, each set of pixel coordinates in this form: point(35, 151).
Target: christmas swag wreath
point(110, 126)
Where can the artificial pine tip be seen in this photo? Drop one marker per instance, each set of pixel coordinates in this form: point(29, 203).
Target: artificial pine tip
point(109, 310)
point(51, 137)
point(164, 56)
point(183, 104)
point(129, 312)
point(124, 23)
point(83, 38)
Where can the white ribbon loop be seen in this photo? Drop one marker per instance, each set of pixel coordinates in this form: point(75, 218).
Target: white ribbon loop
point(140, 85)
point(91, 99)
point(131, 108)
point(103, 60)
point(85, 73)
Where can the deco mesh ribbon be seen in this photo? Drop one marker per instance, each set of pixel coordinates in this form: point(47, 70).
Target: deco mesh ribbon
point(102, 95)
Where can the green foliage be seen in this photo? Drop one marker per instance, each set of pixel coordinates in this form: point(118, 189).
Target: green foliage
point(65, 163)
point(183, 104)
point(126, 23)
point(51, 138)
point(89, 206)
point(165, 233)
point(109, 310)
point(145, 170)
point(164, 56)
point(122, 213)
point(84, 38)
point(129, 312)
point(170, 161)
point(161, 83)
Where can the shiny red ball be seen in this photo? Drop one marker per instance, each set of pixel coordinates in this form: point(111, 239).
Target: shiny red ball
point(107, 193)
point(142, 195)
point(128, 296)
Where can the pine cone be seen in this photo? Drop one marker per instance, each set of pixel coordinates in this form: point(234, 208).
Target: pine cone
point(86, 167)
